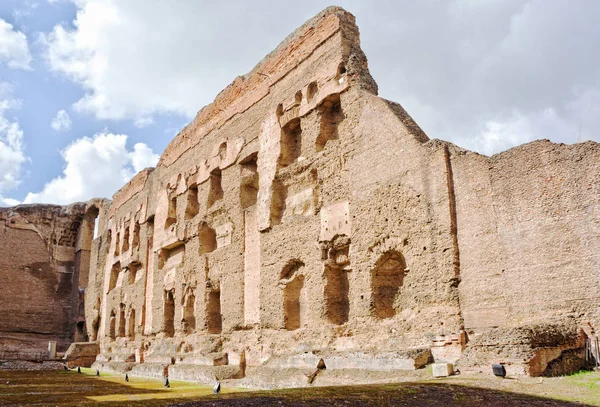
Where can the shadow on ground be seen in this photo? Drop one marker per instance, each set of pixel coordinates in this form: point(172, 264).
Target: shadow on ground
point(402, 394)
point(59, 388)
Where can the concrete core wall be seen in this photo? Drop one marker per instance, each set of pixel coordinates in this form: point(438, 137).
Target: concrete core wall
point(301, 217)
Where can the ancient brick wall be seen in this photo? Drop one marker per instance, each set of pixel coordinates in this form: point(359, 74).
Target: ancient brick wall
point(38, 276)
point(300, 217)
point(528, 233)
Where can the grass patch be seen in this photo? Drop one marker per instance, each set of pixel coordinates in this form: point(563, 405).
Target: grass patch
point(60, 388)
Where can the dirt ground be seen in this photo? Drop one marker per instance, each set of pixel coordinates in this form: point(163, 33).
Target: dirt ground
point(67, 388)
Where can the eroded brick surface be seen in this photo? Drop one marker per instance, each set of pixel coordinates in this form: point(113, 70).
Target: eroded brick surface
point(301, 220)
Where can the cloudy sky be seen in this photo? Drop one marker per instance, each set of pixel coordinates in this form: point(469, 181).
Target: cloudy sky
point(92, 91)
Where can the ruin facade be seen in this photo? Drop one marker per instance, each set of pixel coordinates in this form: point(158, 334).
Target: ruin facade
point(301, 219)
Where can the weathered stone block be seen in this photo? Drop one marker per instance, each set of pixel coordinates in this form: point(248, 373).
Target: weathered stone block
point(442, 369)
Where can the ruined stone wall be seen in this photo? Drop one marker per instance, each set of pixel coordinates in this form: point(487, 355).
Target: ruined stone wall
point(300, 217)
point(38, 276)
point(529, 236)
point(297, 208)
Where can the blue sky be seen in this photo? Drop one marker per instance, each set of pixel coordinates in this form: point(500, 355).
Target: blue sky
point(91, 91)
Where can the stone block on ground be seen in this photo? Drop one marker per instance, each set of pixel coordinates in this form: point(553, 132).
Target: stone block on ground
point(442, 369)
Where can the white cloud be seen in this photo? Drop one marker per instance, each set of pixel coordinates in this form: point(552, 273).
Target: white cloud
point(61, 122)
point(12, 148)
point(95, 167)
point(143, 122)
point(14, 50)
point(528, 57)
point(497, 136)
point(8, 202)
point(136, 61)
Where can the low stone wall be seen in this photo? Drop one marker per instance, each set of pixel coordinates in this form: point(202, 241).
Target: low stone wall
point(537, 350)
point(81, 354)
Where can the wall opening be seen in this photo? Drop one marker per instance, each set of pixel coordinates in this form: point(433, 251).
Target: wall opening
point(291, 142)
point(95, 329)
point(114, 276)
point(96, 321)
point(131, 325)
point(189, 316)
point(171, 256)
point(294, 295)
point(387, 278)
point(108, 241)
point(249, 181)
point(279, 195)
point(133, 271)
point(312, 90)
point(171, 212)
point(117, 244)
point(193, 206)
point(331, 116)
point(126, 239)
point(80, 334)
point(341, 70)
point(215, 192)
point(337, 305)
point(136, 235)
point(93, 213)
point(222, 151)
point(208, 239)
point(112, 325)
point(169, 314)
point(213, 312)
point(122, 321)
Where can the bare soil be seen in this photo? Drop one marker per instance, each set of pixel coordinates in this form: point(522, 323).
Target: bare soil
point(67, 388)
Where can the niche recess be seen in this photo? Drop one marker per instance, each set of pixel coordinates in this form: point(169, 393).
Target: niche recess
point(278, 201)
point(126, 238)
point(171, 212)
point(136, 235)
point(331, 116)
point(193, 207)
point(213, 312)
point(208, 239)
point(95, 328)
point(223, 151)
point(312, 90)
point(215, 192)
point(189, 318)
point(249, 181)
point(112, 325)
point(337, 305)
point(294, 295)
point(291, 142)
point(132, 270)
point(117, 244)
point(387, 278)
point(114, 276)
point(131, 325)
point(169, 314)
point(122, 321)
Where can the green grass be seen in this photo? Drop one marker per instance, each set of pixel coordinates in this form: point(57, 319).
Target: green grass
point(67, 388)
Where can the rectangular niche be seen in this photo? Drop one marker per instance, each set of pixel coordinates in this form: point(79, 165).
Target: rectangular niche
point(193, 206)
point(171, 212)
point(213, 312)
point(114, 276)
point(291, 143)
point(134, 272)
point(249, 181)
point(171, 256)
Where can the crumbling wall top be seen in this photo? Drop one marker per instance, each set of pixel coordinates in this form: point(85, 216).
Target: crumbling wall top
point(248, 89)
